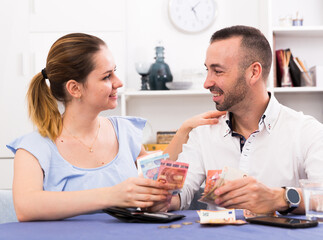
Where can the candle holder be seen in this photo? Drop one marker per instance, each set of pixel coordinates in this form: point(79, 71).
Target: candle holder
point(143, 69)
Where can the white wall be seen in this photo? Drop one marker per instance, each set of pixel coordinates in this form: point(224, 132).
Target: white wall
point(148, 23)
point(312, 16)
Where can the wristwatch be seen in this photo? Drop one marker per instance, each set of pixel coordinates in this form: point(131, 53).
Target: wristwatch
point(292, 198)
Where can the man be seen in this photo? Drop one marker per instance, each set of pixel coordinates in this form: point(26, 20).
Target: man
point(276, 146)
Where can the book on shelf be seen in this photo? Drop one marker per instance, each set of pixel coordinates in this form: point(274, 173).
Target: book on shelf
point(279, 66)
point(294, 70)
point(285, 59)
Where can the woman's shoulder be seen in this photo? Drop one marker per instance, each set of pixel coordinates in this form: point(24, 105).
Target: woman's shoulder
point(128, 121)
point(29, 142)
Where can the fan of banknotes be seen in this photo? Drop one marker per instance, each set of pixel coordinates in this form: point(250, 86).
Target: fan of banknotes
point(215, 179)
point(156, 166)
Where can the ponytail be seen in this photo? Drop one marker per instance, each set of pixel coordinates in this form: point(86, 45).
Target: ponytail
point(43, 108)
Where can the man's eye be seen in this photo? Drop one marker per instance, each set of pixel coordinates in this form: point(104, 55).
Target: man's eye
point(218, 72)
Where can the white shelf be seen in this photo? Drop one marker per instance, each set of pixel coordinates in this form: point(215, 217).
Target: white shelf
point(297, 89)
point(152, 93)
point(298, 31)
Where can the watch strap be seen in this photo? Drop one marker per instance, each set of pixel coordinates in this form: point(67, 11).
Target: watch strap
point(288, 210)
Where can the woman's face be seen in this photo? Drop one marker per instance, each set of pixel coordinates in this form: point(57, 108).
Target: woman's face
point(100, 89)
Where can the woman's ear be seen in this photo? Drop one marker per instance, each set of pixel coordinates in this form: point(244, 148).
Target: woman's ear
point(254, 73)
point(74, 88)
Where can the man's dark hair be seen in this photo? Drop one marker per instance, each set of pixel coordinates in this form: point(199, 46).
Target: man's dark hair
point(256, 47)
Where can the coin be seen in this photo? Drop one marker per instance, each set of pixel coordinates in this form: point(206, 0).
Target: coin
point(187, 223)
point(175, 226)
point(163, 227)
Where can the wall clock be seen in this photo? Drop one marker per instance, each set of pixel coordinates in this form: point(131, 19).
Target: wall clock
point(192, 16)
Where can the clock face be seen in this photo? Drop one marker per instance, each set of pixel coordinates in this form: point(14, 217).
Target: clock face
point(192, 15)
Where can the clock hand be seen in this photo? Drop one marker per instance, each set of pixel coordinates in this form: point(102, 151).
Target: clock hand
point(193, 8)
point(195, 14)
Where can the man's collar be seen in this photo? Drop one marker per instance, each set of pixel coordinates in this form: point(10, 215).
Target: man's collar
point(268, 118)
point(271, 113)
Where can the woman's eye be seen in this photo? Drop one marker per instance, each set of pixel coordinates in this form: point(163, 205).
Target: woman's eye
point(107, 77)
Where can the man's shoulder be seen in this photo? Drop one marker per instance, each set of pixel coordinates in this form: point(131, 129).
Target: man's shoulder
point(294, 117)
point(221, 126)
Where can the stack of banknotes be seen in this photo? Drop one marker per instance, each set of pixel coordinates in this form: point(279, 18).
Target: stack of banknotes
point(156, 166)
point(215, 179)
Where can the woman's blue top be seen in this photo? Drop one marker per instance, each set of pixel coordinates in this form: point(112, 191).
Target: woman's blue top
point(60, 175)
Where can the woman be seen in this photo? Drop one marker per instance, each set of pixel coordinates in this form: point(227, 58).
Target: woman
point(78, 162)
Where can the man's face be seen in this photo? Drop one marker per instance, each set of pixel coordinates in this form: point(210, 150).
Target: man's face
point(225, 79)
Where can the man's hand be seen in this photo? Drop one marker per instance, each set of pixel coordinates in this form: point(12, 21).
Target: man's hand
point(248, 193)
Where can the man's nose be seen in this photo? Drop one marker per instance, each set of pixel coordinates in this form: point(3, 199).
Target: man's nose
point(209, 82)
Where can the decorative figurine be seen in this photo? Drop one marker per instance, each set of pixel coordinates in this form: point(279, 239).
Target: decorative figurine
point(159, 72)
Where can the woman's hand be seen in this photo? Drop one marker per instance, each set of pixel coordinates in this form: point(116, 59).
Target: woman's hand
point(181, 137)
point(161, 206)
point(139, 192)
point(207, 118)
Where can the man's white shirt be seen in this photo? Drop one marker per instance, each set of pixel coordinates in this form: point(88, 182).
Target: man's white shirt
point(288, 146)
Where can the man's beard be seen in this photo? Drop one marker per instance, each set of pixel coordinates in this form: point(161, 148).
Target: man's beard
point(234, 95)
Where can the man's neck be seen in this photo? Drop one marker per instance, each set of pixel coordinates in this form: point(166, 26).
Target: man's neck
point(245, 120)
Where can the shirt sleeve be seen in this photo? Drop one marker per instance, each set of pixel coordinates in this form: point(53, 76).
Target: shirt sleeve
point(36, 145)
point(312, 148)
point(191, 154)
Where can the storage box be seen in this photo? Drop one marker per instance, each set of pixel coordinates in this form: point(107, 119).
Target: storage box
point(317, 75)
point(155, 147)
point(165, 137)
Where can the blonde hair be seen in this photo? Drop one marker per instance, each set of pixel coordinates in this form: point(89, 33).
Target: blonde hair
point(43, 109)
point(70, 57)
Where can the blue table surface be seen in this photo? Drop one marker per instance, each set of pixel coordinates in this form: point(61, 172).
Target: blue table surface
point(103, 226)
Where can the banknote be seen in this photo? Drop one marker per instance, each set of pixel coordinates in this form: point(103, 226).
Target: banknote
point(211, 178)
point(173, 173)
point(219, 217)
point(148, 156)
point(150, 167)
point(230, 173)
point(216, 178)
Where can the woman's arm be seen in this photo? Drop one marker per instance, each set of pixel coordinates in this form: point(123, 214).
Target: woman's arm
point(181, 136)
point(33, 203)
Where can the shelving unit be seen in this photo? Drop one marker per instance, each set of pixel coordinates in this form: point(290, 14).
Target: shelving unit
point(166, 93)
point(297, 89)
point(298, 31)
point(305, 42)
point(128, 94)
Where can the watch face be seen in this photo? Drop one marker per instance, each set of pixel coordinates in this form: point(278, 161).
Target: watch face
point(292, 195)
point(192, 16)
